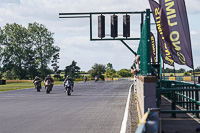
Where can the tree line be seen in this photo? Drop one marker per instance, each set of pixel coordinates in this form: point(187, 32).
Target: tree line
point(99, 70)
point(181, 70)
point(26, 52)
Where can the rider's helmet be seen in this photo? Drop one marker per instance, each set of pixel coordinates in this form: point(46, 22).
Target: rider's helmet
point(48, 76)
point(67, 77)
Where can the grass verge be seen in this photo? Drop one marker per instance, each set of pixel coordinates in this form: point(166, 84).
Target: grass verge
point(22, 85)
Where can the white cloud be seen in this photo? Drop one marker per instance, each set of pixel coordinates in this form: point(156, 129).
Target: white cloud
point(193, 32)
point(192, 6)
point(9, 1)
point(72, 35)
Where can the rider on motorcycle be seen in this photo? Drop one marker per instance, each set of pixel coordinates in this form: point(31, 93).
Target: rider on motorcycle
point(39, 82)
point(70, 79)
point(36, 79)
point(49, 78)
point(96, 78)
point(85, 79)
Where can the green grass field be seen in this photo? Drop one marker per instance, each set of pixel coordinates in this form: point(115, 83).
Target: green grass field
point(23, 85)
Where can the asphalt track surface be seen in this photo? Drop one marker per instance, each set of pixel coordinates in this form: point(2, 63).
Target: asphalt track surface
point(92, 108)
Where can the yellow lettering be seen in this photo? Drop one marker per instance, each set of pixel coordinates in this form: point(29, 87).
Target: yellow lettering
point(176, 34)
point(157, 11)
point(178, 48)
point(152, 38)
point(171, 16)
point(169, 20)
point(158, 18)
point(171, 13)
point(167, 0)
point(181, 57)
point(166, 50)
point(159, 27)
point(153, 46)
point(169, 5)
point(170, 61)
point(174, 37)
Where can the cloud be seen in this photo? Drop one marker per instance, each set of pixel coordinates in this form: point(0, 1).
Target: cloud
point(9, 1)
point(193, 32)
point(72, 35)
point(192, 6)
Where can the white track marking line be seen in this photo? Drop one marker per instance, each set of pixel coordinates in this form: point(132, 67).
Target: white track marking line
point(124, 122)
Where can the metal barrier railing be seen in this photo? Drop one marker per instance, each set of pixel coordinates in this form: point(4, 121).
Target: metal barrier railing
point(182, 78)
point(150, 122)
point(185, 95)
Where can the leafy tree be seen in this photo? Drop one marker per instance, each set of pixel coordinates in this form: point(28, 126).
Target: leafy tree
point(197, 69)
point(15, 45)
point(186, 74)
point(31, 65)
point(190, 71)
point(26, 51)
point(72, 70)
point(168, 70)
point(55, 63)
point(109, 66)
point(2, 38)
point(10, 74)
point(124, 73)
point(55, 66)
point(42, 40)
point(110, 72)
point(1, 75)
point(181, 70)
point(97, 70)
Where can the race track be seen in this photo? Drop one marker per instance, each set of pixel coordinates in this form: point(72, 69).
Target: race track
point(92, 108)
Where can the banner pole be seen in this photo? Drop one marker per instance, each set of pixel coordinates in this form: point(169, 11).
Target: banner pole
point(194, 76)
point(163, 70)
point(174, 71)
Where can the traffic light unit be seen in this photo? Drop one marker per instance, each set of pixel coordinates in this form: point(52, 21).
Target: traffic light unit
point(101, 26)
point(126, 26)
point(114, 26)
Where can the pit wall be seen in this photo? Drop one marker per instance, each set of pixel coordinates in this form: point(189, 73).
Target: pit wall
point(145, 94)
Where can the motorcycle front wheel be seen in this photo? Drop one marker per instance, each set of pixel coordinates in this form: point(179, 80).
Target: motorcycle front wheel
point(68, 92)
point(47, 90)
point(38, 89)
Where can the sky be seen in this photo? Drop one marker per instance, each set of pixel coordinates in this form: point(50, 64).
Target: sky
point(73, 35)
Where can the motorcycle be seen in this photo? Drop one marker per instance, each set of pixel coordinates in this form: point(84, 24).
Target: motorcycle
point(37, 85)
point(48, 86)
point(85, 79)
point(96, 79)
point(68, 87)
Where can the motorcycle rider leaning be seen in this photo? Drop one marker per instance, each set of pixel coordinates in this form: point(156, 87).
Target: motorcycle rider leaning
point(37, 79)
point(49, 78)
point(70, 79)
